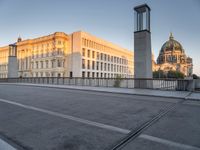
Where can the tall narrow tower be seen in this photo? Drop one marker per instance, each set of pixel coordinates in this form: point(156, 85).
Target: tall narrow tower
point(12, 61)
point(142, 46)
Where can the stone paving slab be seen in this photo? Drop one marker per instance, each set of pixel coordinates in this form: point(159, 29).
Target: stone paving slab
point(59, 119)
point(178, 130)
point(44, 117)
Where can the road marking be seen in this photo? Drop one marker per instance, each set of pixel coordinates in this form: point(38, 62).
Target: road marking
point(84, 121)
point(167, 142)
point(5, 146)
point(194, 103)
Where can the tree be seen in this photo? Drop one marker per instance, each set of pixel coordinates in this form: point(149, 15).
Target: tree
point(175, 74)
point(117, 81)
point(169, 74)
point(159, 74)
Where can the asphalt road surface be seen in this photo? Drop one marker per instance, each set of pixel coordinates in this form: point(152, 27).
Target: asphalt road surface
point(35, 118)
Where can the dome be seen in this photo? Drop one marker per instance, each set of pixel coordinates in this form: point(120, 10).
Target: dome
point(172, 45)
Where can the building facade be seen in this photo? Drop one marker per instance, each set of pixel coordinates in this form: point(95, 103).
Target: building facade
point(75, 55)
point(172, 57)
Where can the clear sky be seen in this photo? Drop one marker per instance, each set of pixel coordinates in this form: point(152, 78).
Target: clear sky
point(112, 20)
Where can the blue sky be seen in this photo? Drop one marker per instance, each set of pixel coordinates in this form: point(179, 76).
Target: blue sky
point(112, 20)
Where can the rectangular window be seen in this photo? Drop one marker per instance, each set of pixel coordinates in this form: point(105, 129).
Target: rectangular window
point(41, 64)
point(88, 74)
point(117, 59)
point(114, 59)
point(93, 74)
point(111, 67)
point(93, 65)
point(105, 66)
point(101, 56)
point(105, 57)
point(93, 54)
point(83, 52)
point(36, 65)
point(111, 58)
point(97, 75)
point(101, 66)
point(52, 64)
point(59, 63)
point(97, 55)
point(88, 64)
point(83, 63)
point(97, 65)
point(108, 67)
point(83, 74)
point(88, 53)
point(47, 63)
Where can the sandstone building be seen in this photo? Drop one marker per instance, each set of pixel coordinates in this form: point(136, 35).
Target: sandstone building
point(172, 57)
point(61, 55)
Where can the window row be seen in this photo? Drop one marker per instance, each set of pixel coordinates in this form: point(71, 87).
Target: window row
point(103, 66)
point(3, 67)
point(46, 53)
point(3, 75)
point(95, 45)
point(103, 57)
point(47, 64)
point(58, 42)
point(102, 75)
point(3, 54)
point(48, 74)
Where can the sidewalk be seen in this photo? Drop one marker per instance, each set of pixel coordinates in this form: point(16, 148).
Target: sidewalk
point(145, 92)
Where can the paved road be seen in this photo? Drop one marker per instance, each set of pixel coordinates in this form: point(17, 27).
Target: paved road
point(36, 118)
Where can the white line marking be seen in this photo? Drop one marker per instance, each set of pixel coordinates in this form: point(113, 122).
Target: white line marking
point(84, 121)
point(194, 103)
point(167, 142)
point(5, 146)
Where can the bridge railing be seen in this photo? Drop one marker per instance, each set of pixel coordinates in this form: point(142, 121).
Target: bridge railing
point(161, 84)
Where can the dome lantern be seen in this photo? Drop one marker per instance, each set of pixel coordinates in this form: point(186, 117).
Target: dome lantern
point(171, 36)
point(19, 39)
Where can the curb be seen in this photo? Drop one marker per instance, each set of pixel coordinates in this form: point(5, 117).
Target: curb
point(139, 94)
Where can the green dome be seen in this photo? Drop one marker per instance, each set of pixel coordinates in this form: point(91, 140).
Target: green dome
point(171, 45)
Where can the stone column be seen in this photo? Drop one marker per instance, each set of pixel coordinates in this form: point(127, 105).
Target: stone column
point(12, 62)
point(142, 48)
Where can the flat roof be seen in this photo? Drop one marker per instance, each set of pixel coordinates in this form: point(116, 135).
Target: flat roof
point(141, 7)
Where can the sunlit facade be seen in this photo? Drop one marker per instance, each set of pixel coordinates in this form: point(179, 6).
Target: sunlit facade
point(172, 56)
point(4, 61)
point(75, 55)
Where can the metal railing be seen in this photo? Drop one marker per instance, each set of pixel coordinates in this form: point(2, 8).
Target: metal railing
point(161, 84)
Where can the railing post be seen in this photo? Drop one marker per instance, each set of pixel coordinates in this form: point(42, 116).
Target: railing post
point(89, 81)
point(75, 80)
